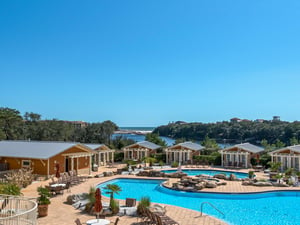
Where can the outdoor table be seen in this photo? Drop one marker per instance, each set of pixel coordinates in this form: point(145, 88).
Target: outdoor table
point(98, 222)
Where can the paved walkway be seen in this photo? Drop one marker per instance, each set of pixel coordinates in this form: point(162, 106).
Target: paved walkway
point(64, 214)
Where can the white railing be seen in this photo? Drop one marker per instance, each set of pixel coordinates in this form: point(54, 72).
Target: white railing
point(17, 210)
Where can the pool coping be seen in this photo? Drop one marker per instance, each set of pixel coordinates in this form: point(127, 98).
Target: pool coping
point(200, 192)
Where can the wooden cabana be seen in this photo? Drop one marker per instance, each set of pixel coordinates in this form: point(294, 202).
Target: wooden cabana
point(289, 157)
point(183, 152)
point(140, 150)
point(240, 155)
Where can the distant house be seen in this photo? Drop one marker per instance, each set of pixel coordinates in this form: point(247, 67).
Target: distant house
point(235, 120)
point(42, 157)
point(103, 154)
point(276, 118)
point(240, 155)
point(259, 120)
point(182, 152)
point(140, 150)
point(288, 156)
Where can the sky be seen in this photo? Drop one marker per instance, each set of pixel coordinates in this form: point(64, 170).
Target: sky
point(151, 62)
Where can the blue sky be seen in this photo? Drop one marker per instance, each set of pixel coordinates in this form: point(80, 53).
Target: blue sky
point(145, 63)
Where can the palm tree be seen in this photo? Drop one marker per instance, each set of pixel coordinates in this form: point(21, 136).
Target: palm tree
point(112, 189)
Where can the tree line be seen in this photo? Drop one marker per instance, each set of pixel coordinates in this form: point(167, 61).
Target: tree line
point(30, 126)
point(273, 133)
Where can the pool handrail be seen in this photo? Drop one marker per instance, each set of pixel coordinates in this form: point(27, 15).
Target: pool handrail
point(201, 208)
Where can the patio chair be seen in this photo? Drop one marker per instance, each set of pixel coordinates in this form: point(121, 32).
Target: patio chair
point(117, 221)
point(130, 202)
point(78, 222)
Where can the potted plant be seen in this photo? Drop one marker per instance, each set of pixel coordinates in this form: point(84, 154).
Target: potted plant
point(43, 201)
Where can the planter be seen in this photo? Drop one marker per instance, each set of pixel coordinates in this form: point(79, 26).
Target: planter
point(42, 210)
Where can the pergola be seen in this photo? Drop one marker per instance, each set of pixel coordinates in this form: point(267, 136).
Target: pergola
point(239, 155)
point(103, 154)
point(74, 160)
point(139, 150)
point(183, 152)
point(288, 156)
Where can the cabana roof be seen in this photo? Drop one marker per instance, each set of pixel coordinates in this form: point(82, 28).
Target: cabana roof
point(246, 147)
point(145, 144)
point(37, 149)
point(188, 145)
point(294, 148)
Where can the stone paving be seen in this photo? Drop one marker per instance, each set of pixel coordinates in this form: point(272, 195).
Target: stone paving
point(64, 214)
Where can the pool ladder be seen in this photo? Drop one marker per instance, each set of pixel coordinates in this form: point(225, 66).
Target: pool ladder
point(203, 203)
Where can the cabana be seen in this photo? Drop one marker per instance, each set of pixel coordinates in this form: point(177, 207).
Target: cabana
point(240, 155)
point(44, 156)
point(182, 152)
point(140, 150)
point(288, 156)
point(104, 154)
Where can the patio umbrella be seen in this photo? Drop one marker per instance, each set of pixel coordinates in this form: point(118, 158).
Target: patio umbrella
point(98, 204)
point(57, 174)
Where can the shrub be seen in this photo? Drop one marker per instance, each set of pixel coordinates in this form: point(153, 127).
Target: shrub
point(114, 206)
point(10, 189)
point(144, 202)
point(21, 178)
point(174, 164)
point(251, 174)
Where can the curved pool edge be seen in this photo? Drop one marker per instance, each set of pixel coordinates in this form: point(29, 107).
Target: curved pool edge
point(282, 189)
point(213, 219)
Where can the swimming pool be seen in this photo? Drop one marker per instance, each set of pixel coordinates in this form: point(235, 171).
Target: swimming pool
point(269, 208)
point(208, 172)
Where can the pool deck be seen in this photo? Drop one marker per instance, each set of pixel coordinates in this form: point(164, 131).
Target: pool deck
point(64, 214)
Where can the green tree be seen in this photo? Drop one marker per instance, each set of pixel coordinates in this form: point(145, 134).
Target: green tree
point(11, 124)
point(154, 138)
point(210, 144)
point(112, 189)
point(294, 141)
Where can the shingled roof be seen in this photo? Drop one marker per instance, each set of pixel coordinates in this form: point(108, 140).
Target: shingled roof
point(246, 147)
point(36, 149)
point(145, 144)
point(294, 148)
point(189, 145)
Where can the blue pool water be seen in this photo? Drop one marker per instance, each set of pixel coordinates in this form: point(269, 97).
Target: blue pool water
point(208, 172)
point(272, 208)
